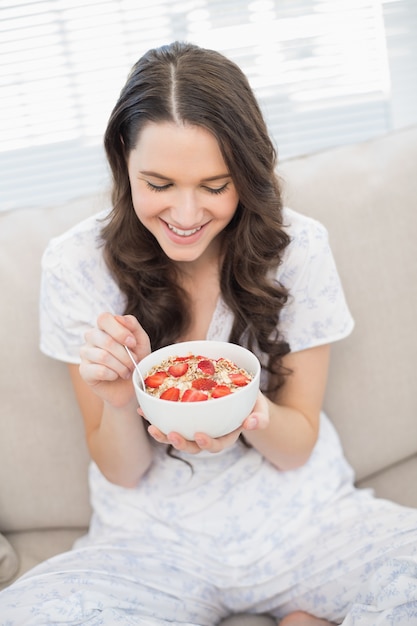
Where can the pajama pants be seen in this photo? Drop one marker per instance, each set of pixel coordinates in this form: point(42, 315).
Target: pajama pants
point(233, 535)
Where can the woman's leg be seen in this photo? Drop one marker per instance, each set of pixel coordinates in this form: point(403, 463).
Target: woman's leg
point(363, 567)
point(352, 560)
point(389, 596)
point(110, 585)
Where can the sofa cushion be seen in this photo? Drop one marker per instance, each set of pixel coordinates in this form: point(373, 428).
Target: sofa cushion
point(397, 482)
point(38, 545)
point(365, 194)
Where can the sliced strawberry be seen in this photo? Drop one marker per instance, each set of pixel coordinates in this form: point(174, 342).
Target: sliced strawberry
point(172, 393)
point(182, 358)
point(205, 384)
point(155, 380)
point(206, 367)
point(178, 369)
point(240, 380)
point(220, 391)
point(193, 395)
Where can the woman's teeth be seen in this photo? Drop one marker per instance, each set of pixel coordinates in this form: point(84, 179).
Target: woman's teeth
point(183, 233)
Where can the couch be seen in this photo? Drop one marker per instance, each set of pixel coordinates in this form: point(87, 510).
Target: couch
point(366, 195)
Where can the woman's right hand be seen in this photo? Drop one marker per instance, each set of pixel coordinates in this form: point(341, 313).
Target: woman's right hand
point(105, 365)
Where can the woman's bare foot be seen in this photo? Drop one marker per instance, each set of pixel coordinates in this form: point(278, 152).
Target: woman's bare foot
point(299, 618)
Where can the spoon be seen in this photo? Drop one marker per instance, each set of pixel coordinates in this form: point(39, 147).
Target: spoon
point(142, 382)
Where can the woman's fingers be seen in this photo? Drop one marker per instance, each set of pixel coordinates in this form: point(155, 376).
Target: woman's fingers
point(112, 325)
point(205, 442)
point(202, 441)
point(259, 417)
point(105, 351)
point(105, 344)
point(101, 365)
point(105, 364)
point(174, 439)
point(137, 339)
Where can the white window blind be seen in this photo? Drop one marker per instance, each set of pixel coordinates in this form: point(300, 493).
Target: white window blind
point(325, 72)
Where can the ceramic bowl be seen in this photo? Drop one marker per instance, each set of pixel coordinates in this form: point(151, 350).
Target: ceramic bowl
point(216, 416)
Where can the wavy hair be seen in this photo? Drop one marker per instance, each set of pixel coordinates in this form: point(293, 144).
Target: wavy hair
point(183, 83)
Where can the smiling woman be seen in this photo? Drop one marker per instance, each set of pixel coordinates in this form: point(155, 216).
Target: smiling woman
point(198, 246)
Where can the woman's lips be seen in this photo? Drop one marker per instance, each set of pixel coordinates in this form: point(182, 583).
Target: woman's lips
point(184, 236)
point(183, 233)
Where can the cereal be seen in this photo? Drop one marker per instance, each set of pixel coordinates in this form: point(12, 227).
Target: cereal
point(195, 378)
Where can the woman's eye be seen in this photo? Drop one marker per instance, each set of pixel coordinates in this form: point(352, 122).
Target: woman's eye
point(157, 187)
point(213, 190)
point(218, 189)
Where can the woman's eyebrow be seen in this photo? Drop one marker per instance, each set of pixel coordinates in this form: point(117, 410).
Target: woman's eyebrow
point(154, 175)
point(204, 180)
point(218, 177)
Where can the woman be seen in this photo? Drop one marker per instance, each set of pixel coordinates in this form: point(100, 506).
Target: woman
point(197, 245)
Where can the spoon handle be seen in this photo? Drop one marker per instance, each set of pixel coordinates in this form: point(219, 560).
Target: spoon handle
point(136, 367)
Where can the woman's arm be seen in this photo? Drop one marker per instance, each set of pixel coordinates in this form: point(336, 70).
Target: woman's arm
point(115, 433)
point(288, 436)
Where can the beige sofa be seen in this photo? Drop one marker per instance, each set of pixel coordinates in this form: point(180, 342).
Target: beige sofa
point(366, 195)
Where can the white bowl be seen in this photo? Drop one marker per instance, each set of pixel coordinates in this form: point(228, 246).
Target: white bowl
point(216, 416)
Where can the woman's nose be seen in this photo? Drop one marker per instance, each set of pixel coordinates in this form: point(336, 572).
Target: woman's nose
point(187, 210)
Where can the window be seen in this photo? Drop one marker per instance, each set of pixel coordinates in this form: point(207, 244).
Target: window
point(325, 72)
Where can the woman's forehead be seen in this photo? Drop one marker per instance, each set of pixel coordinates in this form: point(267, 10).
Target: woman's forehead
point(170, 149)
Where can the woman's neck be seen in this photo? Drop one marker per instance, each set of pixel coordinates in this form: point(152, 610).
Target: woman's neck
point(201, 282)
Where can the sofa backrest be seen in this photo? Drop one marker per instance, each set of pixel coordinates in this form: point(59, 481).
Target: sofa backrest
point(43, 455)
point(365, 195)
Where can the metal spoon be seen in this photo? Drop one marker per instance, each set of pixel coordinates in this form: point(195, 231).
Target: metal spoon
point(136, 367)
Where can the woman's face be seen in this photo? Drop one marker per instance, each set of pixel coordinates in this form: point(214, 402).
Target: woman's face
point(182, 191)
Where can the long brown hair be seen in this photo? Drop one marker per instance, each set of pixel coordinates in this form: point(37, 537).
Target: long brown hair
point(184, 83)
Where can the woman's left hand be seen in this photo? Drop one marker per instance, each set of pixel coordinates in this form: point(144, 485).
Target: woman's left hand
point(258, 419)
